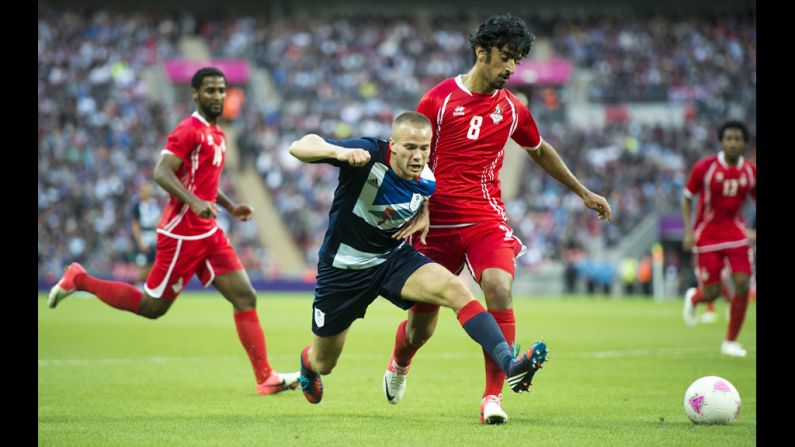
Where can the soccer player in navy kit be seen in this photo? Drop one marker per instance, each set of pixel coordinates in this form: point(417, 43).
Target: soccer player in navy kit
point(382, 187)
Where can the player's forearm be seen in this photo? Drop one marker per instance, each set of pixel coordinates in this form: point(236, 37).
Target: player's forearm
point(224, 200)
point(686, 207)
point(549, 160)
point(313, 148)
point(168, 180)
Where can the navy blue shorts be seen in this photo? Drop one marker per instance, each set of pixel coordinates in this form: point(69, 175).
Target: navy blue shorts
point(342, 296)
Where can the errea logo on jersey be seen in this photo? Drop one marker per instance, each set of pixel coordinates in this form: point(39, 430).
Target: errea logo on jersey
point(459, 111)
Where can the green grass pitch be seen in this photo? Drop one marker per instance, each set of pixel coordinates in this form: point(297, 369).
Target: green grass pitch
point(617, 375)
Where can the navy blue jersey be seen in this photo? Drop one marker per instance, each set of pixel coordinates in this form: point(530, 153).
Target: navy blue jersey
point(371, 204)
point(147, 213)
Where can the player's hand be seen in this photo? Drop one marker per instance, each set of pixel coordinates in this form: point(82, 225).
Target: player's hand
point(354, 157)
point(598, 204)
point(205, 210)
point(420, 223)
point(750, 233)
point(688, 242)
point(243, 212)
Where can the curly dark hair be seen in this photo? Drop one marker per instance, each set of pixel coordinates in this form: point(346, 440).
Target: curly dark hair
point(198, 77)
point(733, 125)
point(498, 31)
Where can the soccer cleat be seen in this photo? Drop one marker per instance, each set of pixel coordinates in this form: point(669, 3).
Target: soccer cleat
point(310, 381)
point(524, 367)
point(491, 411)
point(395, 381)
point(708, 317)
point(689, 311)
point(733, 349)
point(66, 285)
point(276, 383)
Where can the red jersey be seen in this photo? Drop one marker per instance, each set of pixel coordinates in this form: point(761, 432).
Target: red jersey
point(722, 190)
point(201, 146)
point(470, 131)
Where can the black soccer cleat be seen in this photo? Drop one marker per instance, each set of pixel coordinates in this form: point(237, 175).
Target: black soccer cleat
point(524, 367)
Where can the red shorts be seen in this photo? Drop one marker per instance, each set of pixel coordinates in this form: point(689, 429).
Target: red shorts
point(708, 265)
point(481, 246)
point(176, 260)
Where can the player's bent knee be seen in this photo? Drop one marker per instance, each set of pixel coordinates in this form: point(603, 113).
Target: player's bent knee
point(153, 308)
point(454, 293)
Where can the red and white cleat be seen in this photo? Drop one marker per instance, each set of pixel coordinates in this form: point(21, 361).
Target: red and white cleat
point(491, 411)
point(276, 383)
point(66, 285)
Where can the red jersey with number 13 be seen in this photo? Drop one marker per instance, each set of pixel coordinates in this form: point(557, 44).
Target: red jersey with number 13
point(722, 190)
point(201, 146)
point(470, 131)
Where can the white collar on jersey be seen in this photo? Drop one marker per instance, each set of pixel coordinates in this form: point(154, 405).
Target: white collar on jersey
point(198, 116)
point(722, 160)
point(460, 84)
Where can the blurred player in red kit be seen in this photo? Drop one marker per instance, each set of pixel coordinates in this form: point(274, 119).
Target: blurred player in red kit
point(189, 240)
point(473, 117)
point(718, 237)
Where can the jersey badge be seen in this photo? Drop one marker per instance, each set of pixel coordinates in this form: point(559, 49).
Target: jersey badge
point(459, 111)
point(496, 117)
point(743, 181)
point(719, 177)
point(416, 201)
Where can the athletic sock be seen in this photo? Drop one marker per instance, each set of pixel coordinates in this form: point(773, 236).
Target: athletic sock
point(738, 308)
point(252, 338)
point(495, 377)
point(114, 293)
point(404, 352)
point(482, 327)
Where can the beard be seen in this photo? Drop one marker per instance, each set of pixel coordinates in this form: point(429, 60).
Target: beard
point(212, 112)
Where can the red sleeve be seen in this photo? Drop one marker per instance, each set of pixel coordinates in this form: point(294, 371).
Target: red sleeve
point(696, 181)
point(181, 141)
point(526, 133)
point(429, 107)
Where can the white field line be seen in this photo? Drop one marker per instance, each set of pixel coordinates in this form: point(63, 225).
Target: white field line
point(657, 352)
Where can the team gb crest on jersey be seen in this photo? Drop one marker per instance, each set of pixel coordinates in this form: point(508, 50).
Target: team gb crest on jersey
point(416, 200)
point(219, 149)
point(496, 117)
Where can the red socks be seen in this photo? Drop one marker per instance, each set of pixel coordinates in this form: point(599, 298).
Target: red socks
point(114, 293)
point(404, 352)
point(737, 310)
point(253, 340)
point(495, 377)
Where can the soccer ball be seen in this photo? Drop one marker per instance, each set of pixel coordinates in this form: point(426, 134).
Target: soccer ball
point(712, 400)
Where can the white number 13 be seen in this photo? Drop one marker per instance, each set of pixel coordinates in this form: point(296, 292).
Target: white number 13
point(474, 127)
point(730, 187)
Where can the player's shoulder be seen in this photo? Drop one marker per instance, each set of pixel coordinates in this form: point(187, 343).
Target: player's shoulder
point(442, 89)
point(706, 161)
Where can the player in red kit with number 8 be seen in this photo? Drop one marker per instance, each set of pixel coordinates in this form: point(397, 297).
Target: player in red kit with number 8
point(718, 236)
point(189, 240)
point(473, 117)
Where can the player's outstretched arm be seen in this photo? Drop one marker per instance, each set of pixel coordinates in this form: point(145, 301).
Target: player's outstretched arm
point(311, 148)
point(547, 157)
point(166, 177)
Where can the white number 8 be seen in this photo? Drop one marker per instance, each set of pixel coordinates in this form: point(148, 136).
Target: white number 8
point(474, 127)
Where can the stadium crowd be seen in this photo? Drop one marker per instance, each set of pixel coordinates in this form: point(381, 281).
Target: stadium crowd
point(99, 137)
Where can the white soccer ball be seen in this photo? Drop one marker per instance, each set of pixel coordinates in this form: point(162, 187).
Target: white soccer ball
point(712, 400)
